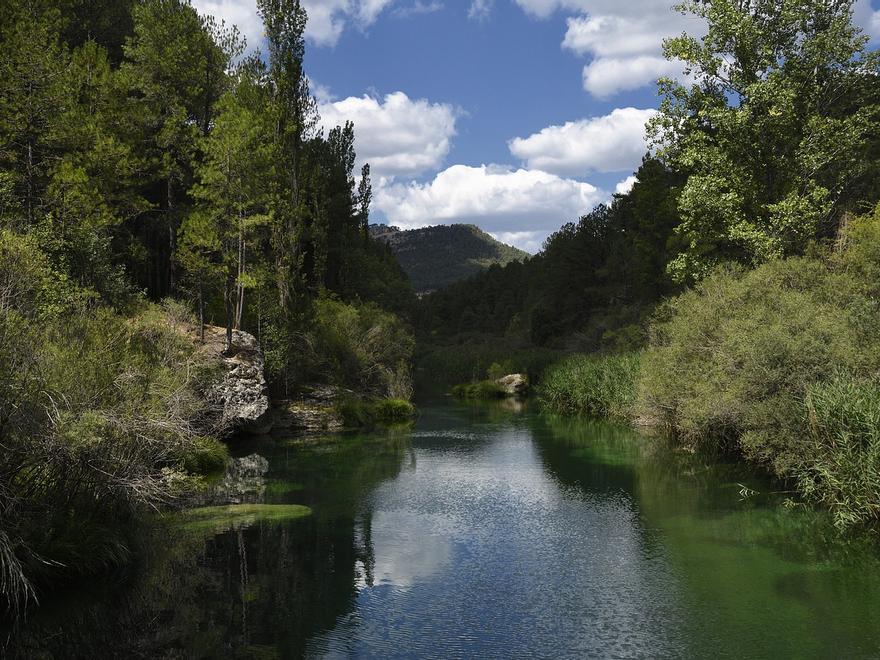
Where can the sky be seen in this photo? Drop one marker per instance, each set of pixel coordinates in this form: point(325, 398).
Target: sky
point(514, 115)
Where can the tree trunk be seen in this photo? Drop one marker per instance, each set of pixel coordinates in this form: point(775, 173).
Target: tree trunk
point(229, 304)
point(201, 313)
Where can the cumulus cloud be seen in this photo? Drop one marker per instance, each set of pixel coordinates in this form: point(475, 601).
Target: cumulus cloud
point(529, 241)
point(499, 199)
point(867, 18)
point(397, 135)
point(327, 18)
point(622, 39)
point(611, 143)
point(626, 185)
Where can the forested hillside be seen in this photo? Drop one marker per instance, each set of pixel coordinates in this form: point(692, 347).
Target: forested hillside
point(730, 296)
point(144, 157)
point(434, 257)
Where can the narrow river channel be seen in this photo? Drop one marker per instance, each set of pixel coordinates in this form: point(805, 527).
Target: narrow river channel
point(490, 531)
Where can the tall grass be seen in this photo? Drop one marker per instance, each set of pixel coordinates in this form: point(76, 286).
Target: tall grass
point(597, 385)
point(842, 453)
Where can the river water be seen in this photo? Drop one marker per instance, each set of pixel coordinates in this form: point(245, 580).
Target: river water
point(491, 531)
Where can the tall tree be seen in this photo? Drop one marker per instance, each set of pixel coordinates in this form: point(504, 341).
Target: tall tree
point(175, 67)
point(777, 132)
point(295, 117)
point(221, 236)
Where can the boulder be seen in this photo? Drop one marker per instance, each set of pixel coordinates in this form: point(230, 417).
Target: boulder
point(240, 395)
point(314, 411)
point(514, 384)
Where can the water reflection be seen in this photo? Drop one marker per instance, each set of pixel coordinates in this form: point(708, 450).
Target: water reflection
point(487, 531)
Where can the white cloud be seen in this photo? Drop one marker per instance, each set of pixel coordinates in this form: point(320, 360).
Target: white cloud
point(607, 76)
point(397, 135)
point(417, 8)
point(611, 143)
point(499, 199)
point(867, 18)
point(327, 18)
point(622, 39)
point(480, 9)
point(530, 241)
point(626, 185)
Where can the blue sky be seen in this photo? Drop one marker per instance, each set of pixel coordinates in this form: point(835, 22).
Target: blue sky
point(515, 115)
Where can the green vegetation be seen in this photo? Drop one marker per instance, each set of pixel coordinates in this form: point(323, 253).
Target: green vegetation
point(143, 158)
point(359, 413)
point(217, 519)
point(435, 257)
point(597, 385)
point(483, 389)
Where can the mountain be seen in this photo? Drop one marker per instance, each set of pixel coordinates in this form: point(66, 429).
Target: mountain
point(435, 257)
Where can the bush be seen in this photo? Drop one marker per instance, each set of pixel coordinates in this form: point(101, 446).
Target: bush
point(842, 454)
point(204, 455)
point(393, 410)
point(752, 361)
point(96, 411)
point(598, 385)
point(358, 413)
point(358, 346)
point(484, 389)
point(734, 355)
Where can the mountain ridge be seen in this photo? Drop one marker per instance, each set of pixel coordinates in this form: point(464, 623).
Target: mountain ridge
point(440, 255)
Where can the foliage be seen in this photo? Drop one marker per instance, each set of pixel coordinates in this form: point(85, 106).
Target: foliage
point(359, 346)
point(841, 466)
point(96, 413)
point(483, 389)
point(780, 363)
point(597, 385)
point(205, 455)
point(435, 257)
point(777, 133)
point(360, 413)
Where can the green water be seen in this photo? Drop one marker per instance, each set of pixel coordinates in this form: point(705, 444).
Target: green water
point(487, 532)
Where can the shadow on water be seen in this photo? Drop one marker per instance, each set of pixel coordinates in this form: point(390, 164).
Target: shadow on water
point(490, 530)
point(255, 590)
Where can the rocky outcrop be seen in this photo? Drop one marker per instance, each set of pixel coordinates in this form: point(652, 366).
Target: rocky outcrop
point(240, 394)
point(514, 384)
point(314, 411)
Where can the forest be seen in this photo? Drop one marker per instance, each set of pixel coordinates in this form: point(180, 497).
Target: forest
point(730, 297)
point(153, 178)
point(157, 176)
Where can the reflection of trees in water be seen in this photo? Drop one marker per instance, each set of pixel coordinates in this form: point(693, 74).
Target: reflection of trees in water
point(265, 588)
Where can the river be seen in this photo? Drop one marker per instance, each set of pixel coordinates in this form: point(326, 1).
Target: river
point(490, 531)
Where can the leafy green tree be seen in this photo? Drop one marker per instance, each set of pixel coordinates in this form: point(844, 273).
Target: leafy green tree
point(294, 113)
point(777, 134)
point(175, 70)
point(232, 196)
point(30, 71)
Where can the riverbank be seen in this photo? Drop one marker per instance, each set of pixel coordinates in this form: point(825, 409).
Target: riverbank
point(778, 364)
point(577, 536)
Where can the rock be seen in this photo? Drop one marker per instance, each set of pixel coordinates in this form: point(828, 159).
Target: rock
point(514, 384)
point(241, 393)
point(314, 411)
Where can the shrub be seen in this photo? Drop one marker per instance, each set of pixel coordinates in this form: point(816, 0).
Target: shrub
point(484, 389)
point(735, 355)
point(841, 466)
point(393, 410)
point(204, 455)
point(598, 385)
point(358, 346)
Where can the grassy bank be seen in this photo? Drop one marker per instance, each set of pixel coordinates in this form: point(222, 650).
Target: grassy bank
point(598, 385)
point(779, 364)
